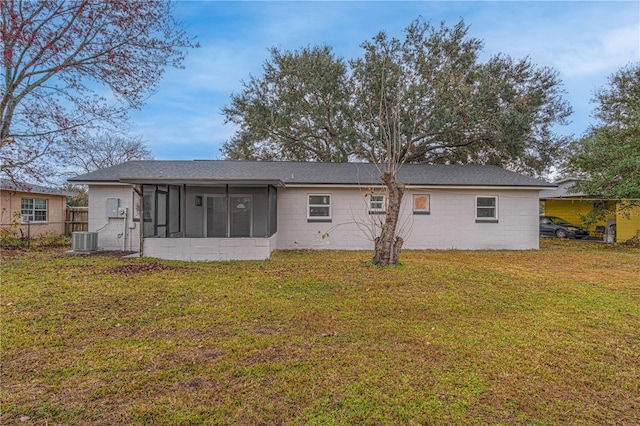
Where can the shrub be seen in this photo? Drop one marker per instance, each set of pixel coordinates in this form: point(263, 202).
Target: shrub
point(11, 235)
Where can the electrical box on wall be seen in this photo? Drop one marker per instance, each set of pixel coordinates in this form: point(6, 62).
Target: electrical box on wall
point(112, 207)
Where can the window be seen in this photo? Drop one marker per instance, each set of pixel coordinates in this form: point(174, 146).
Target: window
point(34, 209)
point(421, 204)
point(376, 204)
point(487, 209)
point(319, 208)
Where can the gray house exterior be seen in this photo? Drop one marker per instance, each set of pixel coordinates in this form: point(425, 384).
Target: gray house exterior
point(224, 210)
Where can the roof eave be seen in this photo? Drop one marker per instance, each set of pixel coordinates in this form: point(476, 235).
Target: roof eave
point(201, 182)
point(424, 185)
point(95, 182)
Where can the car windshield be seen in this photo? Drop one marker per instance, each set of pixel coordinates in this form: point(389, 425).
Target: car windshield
point(558, 221)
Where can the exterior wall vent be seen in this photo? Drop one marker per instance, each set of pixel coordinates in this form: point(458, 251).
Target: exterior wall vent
point(84, 242)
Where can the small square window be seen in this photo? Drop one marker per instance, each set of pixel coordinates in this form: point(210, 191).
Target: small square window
point(377, 204)
point(319, 207)
point(486, 209)
point(421, 204)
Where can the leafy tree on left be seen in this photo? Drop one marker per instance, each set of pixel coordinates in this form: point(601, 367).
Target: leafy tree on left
point(58, 58)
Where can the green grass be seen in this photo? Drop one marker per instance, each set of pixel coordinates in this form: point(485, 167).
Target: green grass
point(319, 338)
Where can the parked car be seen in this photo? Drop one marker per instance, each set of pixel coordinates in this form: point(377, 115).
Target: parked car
point(558, 227)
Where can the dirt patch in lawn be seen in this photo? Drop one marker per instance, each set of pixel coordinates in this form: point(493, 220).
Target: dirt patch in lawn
point(138, 268)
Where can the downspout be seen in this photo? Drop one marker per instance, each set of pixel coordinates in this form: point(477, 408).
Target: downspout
point(124, 232)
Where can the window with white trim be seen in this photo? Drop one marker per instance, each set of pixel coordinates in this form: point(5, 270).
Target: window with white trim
point(33, 209)
point(377, 204)
point(486, 209)
point(421, 204)
point(319, 207)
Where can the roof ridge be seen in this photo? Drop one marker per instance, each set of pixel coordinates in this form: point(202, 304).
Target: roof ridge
point(300, 172)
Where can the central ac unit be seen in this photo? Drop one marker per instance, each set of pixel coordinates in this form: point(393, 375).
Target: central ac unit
point(84, 241)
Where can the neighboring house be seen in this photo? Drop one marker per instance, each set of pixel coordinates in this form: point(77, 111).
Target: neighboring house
point(573, 206)
point(218, 210)
point(35, 209)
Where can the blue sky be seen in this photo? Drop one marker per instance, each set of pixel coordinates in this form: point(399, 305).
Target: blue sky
point(585, 41)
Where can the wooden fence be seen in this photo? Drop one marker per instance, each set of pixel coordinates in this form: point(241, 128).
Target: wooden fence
point(77, 220)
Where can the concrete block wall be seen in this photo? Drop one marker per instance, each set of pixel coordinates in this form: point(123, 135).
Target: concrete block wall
point(348, 229)
point(451, 223)
point(209, 249)
point(111, 231)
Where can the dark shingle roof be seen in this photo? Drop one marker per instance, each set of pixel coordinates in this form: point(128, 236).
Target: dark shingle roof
point(9, 185)
point(300, 173)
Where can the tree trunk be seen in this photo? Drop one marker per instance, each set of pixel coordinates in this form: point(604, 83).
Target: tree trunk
point(388, 244)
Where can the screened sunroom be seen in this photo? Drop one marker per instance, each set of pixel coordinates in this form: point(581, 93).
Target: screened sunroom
point(207, 221)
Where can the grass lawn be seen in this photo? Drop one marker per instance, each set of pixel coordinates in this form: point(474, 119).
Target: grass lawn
point(320, 338)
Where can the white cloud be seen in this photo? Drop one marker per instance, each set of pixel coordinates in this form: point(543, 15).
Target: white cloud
point(576, 38)
point(602, 53)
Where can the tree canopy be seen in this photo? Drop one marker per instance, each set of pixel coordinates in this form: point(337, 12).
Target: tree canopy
point(607, 158)
point(448, 106)
point(58, 58)
point(298, 110)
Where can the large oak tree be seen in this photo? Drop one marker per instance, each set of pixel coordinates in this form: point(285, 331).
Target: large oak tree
point(69, 67)
point(429, 99)
point(311, 105)
point(426, 98)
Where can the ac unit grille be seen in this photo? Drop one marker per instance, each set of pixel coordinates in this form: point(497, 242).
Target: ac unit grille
point(84, 241)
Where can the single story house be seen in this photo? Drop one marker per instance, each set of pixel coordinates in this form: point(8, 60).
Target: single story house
point(32, 209)
point(573, 206)
point(220, 210)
